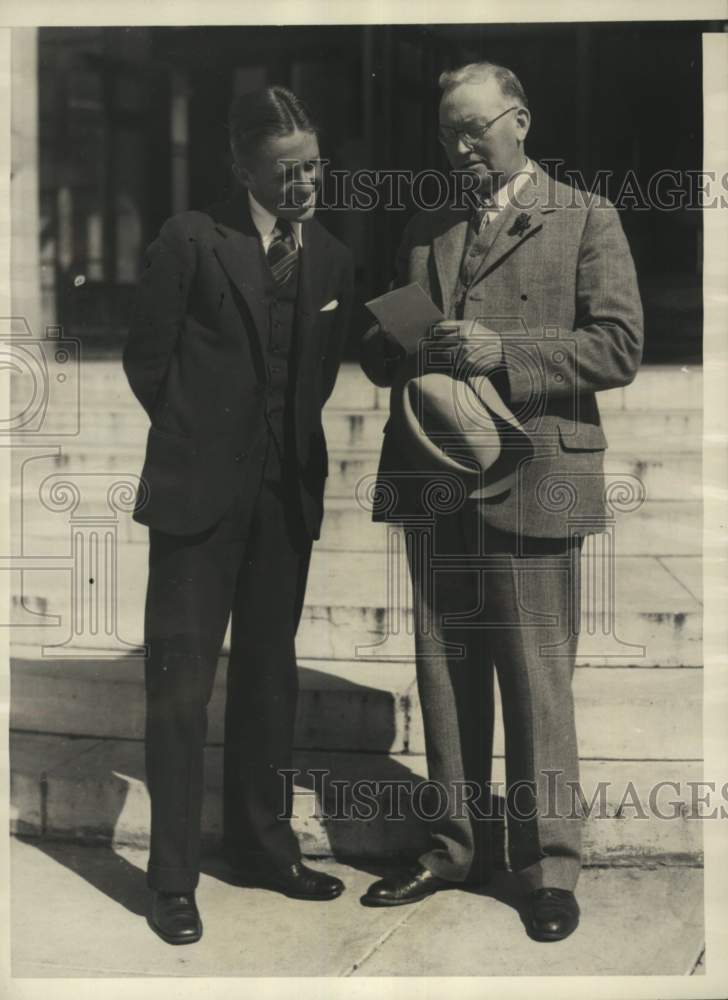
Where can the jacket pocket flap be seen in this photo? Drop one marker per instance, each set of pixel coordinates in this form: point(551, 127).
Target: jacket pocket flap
point(577, 436)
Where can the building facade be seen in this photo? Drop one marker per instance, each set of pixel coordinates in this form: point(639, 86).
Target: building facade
point(131, 127)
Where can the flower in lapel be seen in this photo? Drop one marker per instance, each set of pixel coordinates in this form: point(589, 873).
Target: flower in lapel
point(522, 223)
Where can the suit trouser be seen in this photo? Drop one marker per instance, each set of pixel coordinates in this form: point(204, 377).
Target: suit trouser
point(253, 563)
point(486, 599)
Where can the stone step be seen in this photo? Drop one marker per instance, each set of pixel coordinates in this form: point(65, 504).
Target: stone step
point(657, 610)
point(363, 706)
point(665, 476)
point(659, 528)
point(650, 431)
point(100, 384)
point(349, 613)
point(125, 428)
point(95, 790)
point(656, 387)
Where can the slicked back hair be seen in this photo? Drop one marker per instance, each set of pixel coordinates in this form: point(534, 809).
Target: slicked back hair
point(265, 114)
point(510, 85)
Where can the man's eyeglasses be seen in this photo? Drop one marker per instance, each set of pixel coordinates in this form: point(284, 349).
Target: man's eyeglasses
point(472, 134)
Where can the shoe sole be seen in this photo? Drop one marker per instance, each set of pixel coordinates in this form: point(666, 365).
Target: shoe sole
point(316, 899)
point(168, 939)
point(550, 937)
point(250, 884)
point(368, 901)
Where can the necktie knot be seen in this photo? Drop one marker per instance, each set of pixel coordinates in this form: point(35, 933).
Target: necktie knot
point(282, 252)
point(283, 229)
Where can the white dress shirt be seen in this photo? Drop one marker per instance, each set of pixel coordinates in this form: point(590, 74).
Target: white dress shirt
point(265, 222)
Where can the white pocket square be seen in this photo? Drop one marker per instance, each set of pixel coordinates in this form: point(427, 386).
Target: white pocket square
point(329, 306)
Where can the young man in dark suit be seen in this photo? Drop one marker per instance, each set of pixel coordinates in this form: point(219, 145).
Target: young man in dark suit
point(539, 283)
point(237, 336)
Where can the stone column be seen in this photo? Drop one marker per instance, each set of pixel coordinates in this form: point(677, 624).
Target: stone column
point(24, 193)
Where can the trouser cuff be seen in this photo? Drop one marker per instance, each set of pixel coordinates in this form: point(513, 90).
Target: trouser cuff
point(551, 873)
point(452, 871)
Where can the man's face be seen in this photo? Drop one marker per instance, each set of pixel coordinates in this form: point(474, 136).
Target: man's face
point(498, 154)
point(284, 175)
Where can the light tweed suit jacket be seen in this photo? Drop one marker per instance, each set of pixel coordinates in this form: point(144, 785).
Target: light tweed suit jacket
point(557, 282)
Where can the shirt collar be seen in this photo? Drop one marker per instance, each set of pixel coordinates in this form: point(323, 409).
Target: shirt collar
point(264, 221)
point(508, 191)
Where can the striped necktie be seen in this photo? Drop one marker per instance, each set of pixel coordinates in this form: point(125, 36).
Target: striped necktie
point(282, 254)
point(475, 241)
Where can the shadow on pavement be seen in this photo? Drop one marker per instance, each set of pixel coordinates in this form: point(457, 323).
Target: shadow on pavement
point(102, 868)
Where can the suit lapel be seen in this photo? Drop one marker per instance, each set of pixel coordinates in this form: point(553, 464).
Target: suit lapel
point(494, 228)
point(515, 224)
point(239, 252)
point(312, 276)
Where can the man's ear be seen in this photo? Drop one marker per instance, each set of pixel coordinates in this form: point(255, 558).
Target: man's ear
point(523, 122)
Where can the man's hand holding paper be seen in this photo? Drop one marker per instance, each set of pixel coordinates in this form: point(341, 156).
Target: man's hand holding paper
point(407, 317)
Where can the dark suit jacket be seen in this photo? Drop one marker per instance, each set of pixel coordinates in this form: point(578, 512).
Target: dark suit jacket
point(195, 361)
point(560, 288)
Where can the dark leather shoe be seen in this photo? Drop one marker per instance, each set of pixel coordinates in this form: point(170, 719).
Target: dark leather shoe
point(174, 916)
point(551, 914)
point(297, 881)
point(408, 887)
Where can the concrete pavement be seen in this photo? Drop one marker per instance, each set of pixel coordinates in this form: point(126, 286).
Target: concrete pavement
point(635, 921)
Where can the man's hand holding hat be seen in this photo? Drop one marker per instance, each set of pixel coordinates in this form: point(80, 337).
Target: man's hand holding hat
point(447, 415)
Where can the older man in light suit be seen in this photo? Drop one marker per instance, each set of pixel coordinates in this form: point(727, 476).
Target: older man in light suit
point(547, 272)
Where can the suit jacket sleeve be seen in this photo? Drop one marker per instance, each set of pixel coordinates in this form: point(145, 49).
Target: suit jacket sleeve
point(379, 354)
point(159, 310)
point(604, 349)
